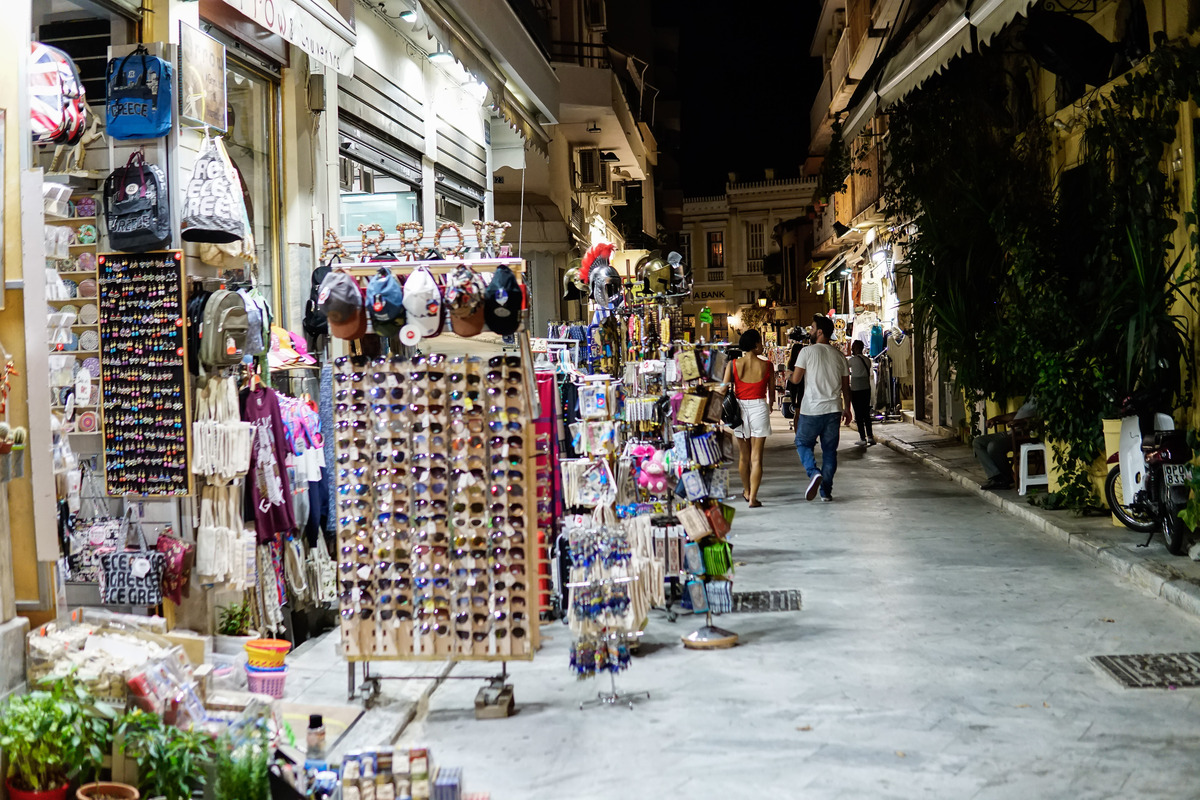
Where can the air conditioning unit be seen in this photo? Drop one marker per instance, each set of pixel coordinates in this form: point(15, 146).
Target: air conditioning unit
point(615, 196)
point(592, 175)
point(597, 16)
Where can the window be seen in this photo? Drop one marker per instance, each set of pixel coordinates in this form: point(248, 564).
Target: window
point(716, 249)
point(370, 196)
point(754, 241)
point(720, 328)
point(253, 115)
point(685, 247)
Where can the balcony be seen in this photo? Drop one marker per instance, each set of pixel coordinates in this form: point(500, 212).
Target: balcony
point(535, 15)
point(839, 70)
point(819, 119)
point(752, 267)
point(823, 232)
point(714, 276)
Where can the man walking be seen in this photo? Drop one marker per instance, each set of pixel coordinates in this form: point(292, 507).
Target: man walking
point(826, 402)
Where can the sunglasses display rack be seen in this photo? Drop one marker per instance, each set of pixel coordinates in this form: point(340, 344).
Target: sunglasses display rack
point(146, 419)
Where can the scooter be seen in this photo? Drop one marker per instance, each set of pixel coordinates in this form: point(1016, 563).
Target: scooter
point(1154, 473)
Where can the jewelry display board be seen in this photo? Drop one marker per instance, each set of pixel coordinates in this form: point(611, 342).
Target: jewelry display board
point(437, 488)
point(143, 360)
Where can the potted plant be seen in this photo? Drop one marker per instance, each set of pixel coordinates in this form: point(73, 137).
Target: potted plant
point(233, 628)
point(171, 762)
point(51, 735)
point(242, 771)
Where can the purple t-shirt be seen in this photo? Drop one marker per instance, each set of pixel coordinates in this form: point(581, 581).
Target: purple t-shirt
point(267, 489)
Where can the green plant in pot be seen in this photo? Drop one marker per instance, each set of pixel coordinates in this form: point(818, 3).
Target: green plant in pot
point(50, 736)
point(242, 771)
point(234, 628)
point(171, 762)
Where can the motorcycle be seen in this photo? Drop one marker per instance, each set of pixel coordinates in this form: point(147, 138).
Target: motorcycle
point(1155, 473)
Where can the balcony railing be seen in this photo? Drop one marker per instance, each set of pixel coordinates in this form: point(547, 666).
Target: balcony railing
point(824, 228)
point(839, 65)
point(753, 266)
point(714, 275)
point(820, 107)
point(535, 16)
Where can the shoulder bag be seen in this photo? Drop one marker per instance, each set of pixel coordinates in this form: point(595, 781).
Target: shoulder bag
point(131, 577)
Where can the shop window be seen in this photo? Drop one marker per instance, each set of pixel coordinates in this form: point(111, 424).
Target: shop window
point(252, 141)
point(456, 210)
point(716, 249)
point(372, 196)
point(720, 328)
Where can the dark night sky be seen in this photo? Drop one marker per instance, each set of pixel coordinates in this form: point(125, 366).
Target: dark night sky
point(747, 84)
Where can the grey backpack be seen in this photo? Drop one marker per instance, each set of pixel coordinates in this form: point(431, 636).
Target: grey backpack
point(226, 325)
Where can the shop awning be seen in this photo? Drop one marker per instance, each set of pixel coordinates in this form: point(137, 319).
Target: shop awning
point(476, 60)
point(957, 27)
point(309, 25)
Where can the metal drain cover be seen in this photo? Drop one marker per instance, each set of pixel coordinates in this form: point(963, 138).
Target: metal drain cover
point(770, 600)
point(1153, 670)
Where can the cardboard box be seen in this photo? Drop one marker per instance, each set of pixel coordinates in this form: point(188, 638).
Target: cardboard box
point(198, 648)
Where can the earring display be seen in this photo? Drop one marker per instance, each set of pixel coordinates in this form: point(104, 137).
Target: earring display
point(142, 354)
point(436, 484)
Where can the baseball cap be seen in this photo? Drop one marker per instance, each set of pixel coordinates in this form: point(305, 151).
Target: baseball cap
point(301, 348)
point(281, 353)
point(502, 302)
point(463, 298)
point(385, 298)
point(423, 302)
point(342, 301)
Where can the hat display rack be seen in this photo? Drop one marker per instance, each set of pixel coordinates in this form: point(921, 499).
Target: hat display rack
point(461, 567)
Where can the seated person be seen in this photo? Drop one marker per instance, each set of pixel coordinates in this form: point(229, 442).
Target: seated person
point(991, 449)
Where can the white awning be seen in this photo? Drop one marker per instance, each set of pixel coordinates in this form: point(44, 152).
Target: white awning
point(957, 27)
point(311, 26)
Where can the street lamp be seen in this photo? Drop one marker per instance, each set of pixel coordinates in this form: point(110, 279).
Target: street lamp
point(762, 302)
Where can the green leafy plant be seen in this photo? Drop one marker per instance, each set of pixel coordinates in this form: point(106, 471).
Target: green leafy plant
point(53, 734)
point(171, 762)
point(235, 619)
point(242, 772)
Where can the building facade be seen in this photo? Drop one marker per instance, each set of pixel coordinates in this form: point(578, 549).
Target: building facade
point(745, 249)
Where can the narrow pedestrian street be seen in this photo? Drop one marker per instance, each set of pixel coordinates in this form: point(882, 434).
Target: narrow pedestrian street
point(941, 652)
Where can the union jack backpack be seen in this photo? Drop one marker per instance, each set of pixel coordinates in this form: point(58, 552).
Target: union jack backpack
point(58, 108)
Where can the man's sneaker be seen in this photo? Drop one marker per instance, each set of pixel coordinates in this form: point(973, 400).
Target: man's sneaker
point(814, 486)
point(862, 443)
point(826, 498)
point(870, 442)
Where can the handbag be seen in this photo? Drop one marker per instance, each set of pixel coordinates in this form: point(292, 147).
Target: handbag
point(694, 522)
point(212, 205)
point(177, 565)
point(140, 221)
point(138, 104)
point(731, 410)
point(131, 577)
point(102, 532)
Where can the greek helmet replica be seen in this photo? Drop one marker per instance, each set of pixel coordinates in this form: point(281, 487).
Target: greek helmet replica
point(654, 273)
point(574, 287)
point(604, 280)
point(681, 274)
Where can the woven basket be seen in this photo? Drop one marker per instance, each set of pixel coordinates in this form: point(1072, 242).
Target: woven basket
point(268, 682)
point(267, 652)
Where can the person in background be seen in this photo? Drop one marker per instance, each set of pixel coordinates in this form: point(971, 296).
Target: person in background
point(860, 392)
point(991, 449)
point(754, 387)
point(826, 399)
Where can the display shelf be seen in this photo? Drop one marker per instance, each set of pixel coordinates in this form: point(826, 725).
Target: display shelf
point(68, 220)
point(75, 246)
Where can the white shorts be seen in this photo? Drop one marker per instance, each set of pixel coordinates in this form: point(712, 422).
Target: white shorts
point(756, 420)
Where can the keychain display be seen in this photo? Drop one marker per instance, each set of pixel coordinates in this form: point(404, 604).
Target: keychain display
point(142, 346)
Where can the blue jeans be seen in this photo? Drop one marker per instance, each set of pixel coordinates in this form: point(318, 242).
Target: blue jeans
point(808, 429)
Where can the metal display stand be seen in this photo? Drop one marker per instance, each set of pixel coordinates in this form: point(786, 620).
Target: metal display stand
point(613, 697)
point(709, 636)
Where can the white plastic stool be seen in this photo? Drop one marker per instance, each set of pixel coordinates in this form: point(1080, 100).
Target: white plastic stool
point(1028, 480)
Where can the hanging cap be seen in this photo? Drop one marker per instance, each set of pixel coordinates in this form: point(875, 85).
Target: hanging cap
point(423, 302)
point(463, 298)
point(342, 301)
point(502, 302)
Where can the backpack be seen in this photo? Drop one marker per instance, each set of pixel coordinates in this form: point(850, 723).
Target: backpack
point(141, 220)
point(57, 106)
point(139, 96)
point(226, 325)
point(195, 322)
point(315, 322)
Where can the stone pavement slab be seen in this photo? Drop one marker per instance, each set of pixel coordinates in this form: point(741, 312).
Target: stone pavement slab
point(1175, 579)
point(941, 652)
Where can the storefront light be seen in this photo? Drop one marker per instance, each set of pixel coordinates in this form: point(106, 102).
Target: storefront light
point(441, 57)
point(409, 15)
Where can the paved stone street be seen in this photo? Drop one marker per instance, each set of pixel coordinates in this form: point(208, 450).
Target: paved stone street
point(941, 652)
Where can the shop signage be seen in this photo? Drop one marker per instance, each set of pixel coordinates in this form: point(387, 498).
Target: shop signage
point(411, 243)
point(289, 19)
point(710, 294)
point(201, 79)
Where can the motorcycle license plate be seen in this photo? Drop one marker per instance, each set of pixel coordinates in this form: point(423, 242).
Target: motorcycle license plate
point(1176, 474)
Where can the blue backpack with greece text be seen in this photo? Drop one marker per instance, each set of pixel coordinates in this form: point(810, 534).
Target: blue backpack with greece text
point(139, 96)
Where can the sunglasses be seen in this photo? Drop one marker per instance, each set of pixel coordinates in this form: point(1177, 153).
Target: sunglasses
point(506, 361)
point(383, 393)
point(497, 376)
point(497, 391)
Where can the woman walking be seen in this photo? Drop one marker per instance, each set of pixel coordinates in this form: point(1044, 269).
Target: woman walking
point(754, 388)
point(860, 392)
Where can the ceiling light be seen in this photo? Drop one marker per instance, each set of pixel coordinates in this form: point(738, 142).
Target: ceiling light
point(408, 16)
point(441, 57)
point(608, 155)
